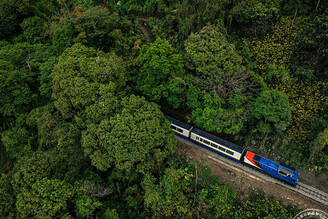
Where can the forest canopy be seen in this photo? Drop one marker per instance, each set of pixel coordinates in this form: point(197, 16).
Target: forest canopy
point(84, 83)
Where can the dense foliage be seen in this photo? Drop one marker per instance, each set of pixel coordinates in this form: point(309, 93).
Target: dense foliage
point(80, 137)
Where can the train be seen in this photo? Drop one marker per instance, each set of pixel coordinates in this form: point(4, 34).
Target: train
point(234, 152)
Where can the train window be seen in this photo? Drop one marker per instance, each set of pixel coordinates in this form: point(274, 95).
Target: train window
point(197, 138)
point(229, 152)
point(214, 145)
point(207, 142)
point(221, 149)
point(179, 130)
point(282, 173)
point(173, 127)
point(200, 139)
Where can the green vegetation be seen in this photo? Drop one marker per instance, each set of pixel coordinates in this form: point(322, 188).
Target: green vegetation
point(80, 137)
point(159, 74)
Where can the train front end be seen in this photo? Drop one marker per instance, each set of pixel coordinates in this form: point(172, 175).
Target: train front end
point(281, 171)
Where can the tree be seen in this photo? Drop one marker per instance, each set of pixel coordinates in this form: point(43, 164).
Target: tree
point(255, 17)
point(50, 164)
point(271, 112)
point(303, 7)
point(258, 205)
point(16, 142)
point(86, 205)
point(137, 138)
point(47, 198)
point(208, 52)
point(82, 76)
point(50, 130)
point(175, 20)
point(319, 145)
point(96, 27)
point(210, 113)
point(312, 48)
point(160, 73)
point(216, 200)
point(35, 29)
point(48, 124)
point(15, 90)
point(306, 98)
point(170, 198)
point(219, 85)
point(188, 191)
point(24, 84)
point(7, 198)
point(111, 213)
point(24, 77)
point(214, 63)
point(12, 13)
point(63, 37)
point(276, 49)
point(43, 183)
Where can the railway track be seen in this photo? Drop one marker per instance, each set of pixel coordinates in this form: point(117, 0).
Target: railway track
point(301, 188)
point(307, 191)
point(313, 193)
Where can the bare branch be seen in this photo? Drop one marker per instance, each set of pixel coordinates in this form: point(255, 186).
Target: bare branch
point(92, 190)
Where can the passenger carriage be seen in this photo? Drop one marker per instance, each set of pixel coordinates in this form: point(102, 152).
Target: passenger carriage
point(216, 144)
point(180, 128)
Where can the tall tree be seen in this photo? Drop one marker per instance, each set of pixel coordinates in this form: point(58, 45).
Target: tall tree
point(12, 13)
point(137, 138)
point(95, 27)
point(160, 72)
point(209, 52)
point(24, 77)
point(188, 192)
point(7, 198)
point(219, 85)
point(49, 164)
point(271, 111)
point(48, 198)
point(82, 76)
point(170, 197)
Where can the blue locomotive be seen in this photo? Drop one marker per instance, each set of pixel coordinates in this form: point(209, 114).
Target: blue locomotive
point(232, 151)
